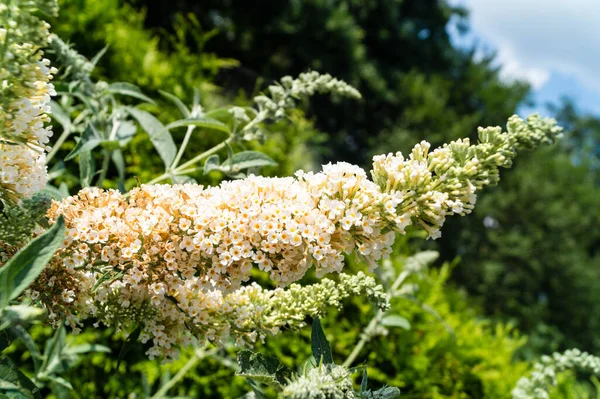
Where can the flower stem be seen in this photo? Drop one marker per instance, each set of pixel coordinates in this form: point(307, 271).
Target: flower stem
point(184, 144)
point(199, 354)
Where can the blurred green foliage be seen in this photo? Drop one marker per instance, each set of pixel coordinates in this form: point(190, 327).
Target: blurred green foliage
point(397, 53)
point(530, 250)
point(174, 61)
point(450, 351)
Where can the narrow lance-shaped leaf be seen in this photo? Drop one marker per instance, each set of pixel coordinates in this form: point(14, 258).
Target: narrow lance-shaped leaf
point(89, 140)
point(25, 337)
point(119, 161)
point(87, 168)
point(18, 314)
point(159, 135)
point(395, 321)
point(206, 123)
point(23, 268)
point(15, 384)
point(320, 346)
point(364, 382)
point(59, 114)
point(249, 159)
point(53, 352)
point(211, 163)
point(178, 103)
point(128, 89)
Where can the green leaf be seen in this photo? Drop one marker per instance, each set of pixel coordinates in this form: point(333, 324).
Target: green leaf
point(211, 163)
point(320, 346)
point(14, 383)
point(5, 340)
point(363, 383)
point(256, 390)
point(83, 146)
point(60, 390)
point(53, 192)
point(98, 55)
point(87, 168)
point(182, 179)
point(128, 344)
point(128, 89)
point(249, 159)
point(178, 103)
point(86, 348)
point(64, 189)
point(87, 142)
point(125, 132)
point(159, 135)
point(58, 113)
point(107, 278)
point(395, 321)
point(265, 369)
point(17, 314)
point(28, 263)
point(386, 393)
point(206, 123)
point(22, 334)
point(119, 161)
point(83, 99)
point(53, 352)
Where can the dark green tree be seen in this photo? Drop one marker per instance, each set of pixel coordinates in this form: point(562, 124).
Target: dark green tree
point(531, 250)
point(415, 83)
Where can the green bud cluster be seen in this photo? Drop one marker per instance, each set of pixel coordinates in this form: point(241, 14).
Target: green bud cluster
point(18, 223)
point(78, 68)
point(286, 95)
point(291, 306)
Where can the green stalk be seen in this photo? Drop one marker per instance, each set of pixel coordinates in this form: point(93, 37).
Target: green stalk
point(104, 170)
point(199, 354)
point(370, 329)
point(64, 135)
point(191, 162)
point(186, 139)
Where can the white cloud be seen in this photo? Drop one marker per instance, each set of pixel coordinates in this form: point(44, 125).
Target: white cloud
point(534, 38)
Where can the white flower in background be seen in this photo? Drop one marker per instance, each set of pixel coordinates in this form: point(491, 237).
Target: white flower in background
point(25, 91)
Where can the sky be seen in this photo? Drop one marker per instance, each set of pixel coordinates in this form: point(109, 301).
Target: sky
point(552, 44)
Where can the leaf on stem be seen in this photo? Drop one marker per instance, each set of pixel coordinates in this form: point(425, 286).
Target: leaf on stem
point(320, 346)
point(265, 369)
point(178, 103)
point(128, 89)
point(159, 135)
point(15, 384)
point(395, 321)
point(23, 268)
point(207, 123)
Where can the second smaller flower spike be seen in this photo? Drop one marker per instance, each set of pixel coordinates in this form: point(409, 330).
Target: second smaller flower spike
point(428, 186)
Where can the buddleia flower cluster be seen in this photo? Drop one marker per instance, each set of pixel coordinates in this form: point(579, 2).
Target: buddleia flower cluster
point(429, 186)
point(151, 255)
point(331, 381)
point(172, 318)
point(543, 376)
point(326, 381)
point(25, 91)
